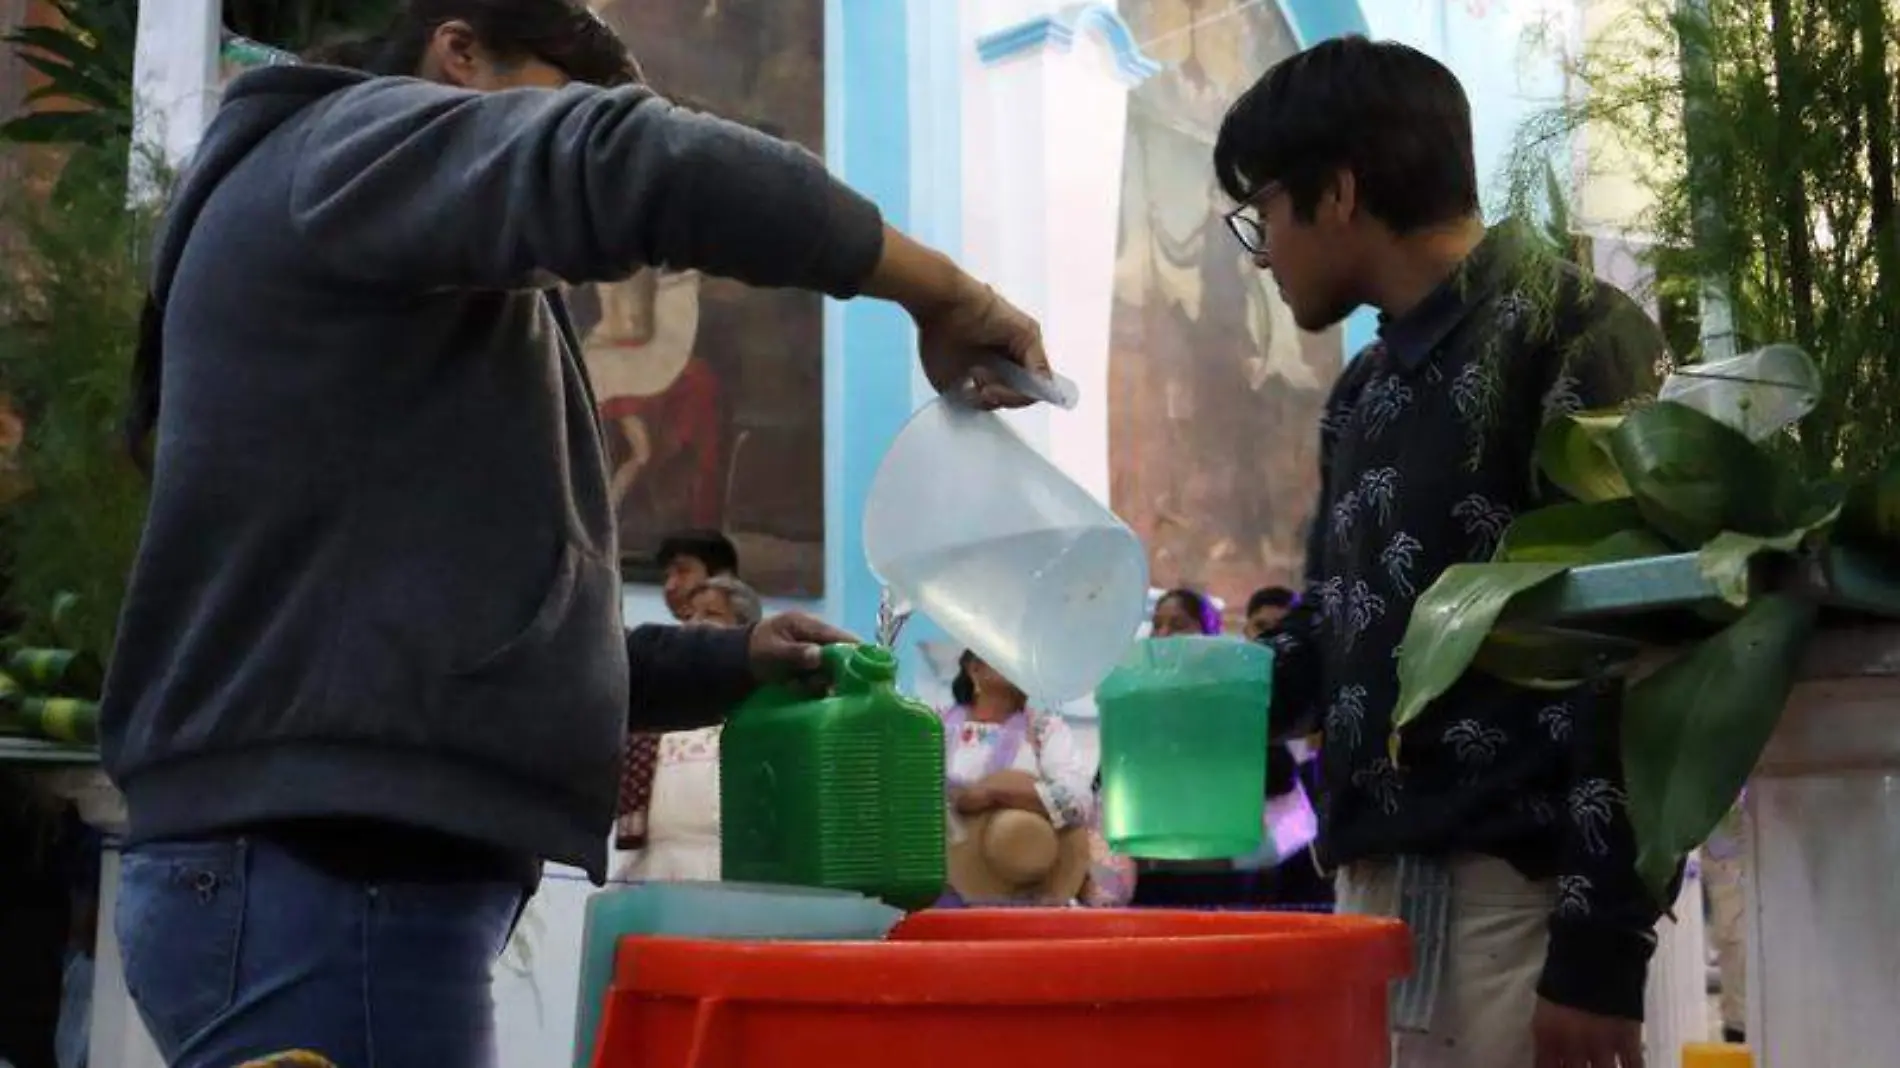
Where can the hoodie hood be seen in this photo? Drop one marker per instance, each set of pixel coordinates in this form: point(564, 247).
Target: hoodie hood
point(255, 104)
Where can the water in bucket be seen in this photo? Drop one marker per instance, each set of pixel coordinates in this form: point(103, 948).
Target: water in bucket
point(1010, 557)
point(1184, 748)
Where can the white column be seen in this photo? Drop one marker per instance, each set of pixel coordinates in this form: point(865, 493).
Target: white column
point(1045, 120)
point(1823, 856)
point(175, 86)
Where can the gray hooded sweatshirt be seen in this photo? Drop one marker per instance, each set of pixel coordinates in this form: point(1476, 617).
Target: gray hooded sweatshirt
point(378, 579)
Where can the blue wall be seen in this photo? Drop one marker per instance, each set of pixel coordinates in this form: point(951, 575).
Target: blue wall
point(869, 345)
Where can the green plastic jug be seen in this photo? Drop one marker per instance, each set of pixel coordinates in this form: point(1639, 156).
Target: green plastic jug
point(1184, 748)
point(843, 792)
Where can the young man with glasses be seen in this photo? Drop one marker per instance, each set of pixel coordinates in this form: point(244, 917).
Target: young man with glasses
point(1502, 837)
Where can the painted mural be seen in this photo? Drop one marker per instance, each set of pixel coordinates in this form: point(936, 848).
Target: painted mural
point(712, 393)
point(1214, 394)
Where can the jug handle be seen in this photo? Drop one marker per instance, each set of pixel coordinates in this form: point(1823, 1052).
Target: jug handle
point(832, 660)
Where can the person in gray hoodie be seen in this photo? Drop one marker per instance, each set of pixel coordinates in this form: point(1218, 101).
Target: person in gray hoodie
point(371, 671)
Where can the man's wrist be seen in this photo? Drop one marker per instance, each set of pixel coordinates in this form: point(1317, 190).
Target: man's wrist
point(1597, 970)
point(919, 279)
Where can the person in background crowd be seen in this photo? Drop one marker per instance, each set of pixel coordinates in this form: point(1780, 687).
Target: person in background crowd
point(1182, 612)
point(1724, 880)
point(1292, 783)
point(681, 783)
point(1266, 608)
point(687, 560)
point(1501, 833)
point(371, 670)
point(1001, 754)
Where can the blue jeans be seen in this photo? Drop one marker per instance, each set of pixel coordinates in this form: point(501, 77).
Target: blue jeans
point(235, 949)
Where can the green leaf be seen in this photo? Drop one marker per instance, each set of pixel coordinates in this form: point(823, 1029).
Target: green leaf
point(1448, 626)
point(1727, 560)
point(1694, 477)
point(1574, 454)
point(1693, 731)
point(1553, 658)
point(60, 127)
point(1597, 532)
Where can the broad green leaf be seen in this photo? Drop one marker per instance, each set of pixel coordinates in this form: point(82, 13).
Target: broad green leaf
point(1693, 731)
point(1694, 477)
point(1728, 557)
point(1574, 454)
point(1551, 658)
point(1597, 532)
point(1448, 626)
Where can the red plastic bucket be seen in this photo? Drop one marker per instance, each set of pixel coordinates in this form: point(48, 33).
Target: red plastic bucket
point(1038, 988)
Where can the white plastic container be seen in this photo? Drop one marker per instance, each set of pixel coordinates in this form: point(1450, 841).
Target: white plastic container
point(983, 534)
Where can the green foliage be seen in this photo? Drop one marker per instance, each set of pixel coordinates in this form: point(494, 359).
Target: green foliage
point(88, 67)
point(1764, 133)
point(71, 302)
point(1659, 480)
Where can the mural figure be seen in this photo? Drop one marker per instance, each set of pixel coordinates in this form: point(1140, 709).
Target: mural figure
point(712, 393)
point(1214, 394)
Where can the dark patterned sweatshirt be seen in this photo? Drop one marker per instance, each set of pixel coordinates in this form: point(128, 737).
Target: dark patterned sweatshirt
point(1426, 455)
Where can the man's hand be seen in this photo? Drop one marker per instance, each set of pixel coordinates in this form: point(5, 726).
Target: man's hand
point(1572, 1038)
point(955, 343)
point(788, 647)
point(962, 324)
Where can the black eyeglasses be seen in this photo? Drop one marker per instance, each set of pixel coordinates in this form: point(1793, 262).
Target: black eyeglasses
point(1246, 225)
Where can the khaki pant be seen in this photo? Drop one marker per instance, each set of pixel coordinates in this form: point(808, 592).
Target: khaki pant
point(1495, 949)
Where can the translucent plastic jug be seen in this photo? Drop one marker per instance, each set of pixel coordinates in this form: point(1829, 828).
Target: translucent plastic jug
point(709, 910)
point(843, 792)
point(1008, 555)
point(1758, 393)
point(1184, 748)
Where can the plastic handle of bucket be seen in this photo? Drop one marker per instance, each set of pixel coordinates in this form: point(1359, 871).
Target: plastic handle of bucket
point(708, 1047)
point(832, 661)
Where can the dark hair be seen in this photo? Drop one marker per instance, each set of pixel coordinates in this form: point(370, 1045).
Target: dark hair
point(562, 33)
point(709, 547)
point(1392, 115)
point(963, 687)
point(1271, 597)
point(1197, 605)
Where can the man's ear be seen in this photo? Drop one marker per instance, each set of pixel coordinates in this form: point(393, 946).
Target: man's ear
point(454, 55)
point(1340, 202)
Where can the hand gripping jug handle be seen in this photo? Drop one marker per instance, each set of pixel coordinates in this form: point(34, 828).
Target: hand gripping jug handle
point(833, 665)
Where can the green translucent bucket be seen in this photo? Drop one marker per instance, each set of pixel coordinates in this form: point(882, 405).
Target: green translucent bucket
point(1184, 748)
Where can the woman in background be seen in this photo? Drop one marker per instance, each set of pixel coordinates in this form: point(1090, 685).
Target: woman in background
point(990, 730)
point(681, 817)
point(1183, 611)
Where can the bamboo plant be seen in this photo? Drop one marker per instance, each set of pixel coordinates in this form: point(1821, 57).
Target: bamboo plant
point(1763, 133)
